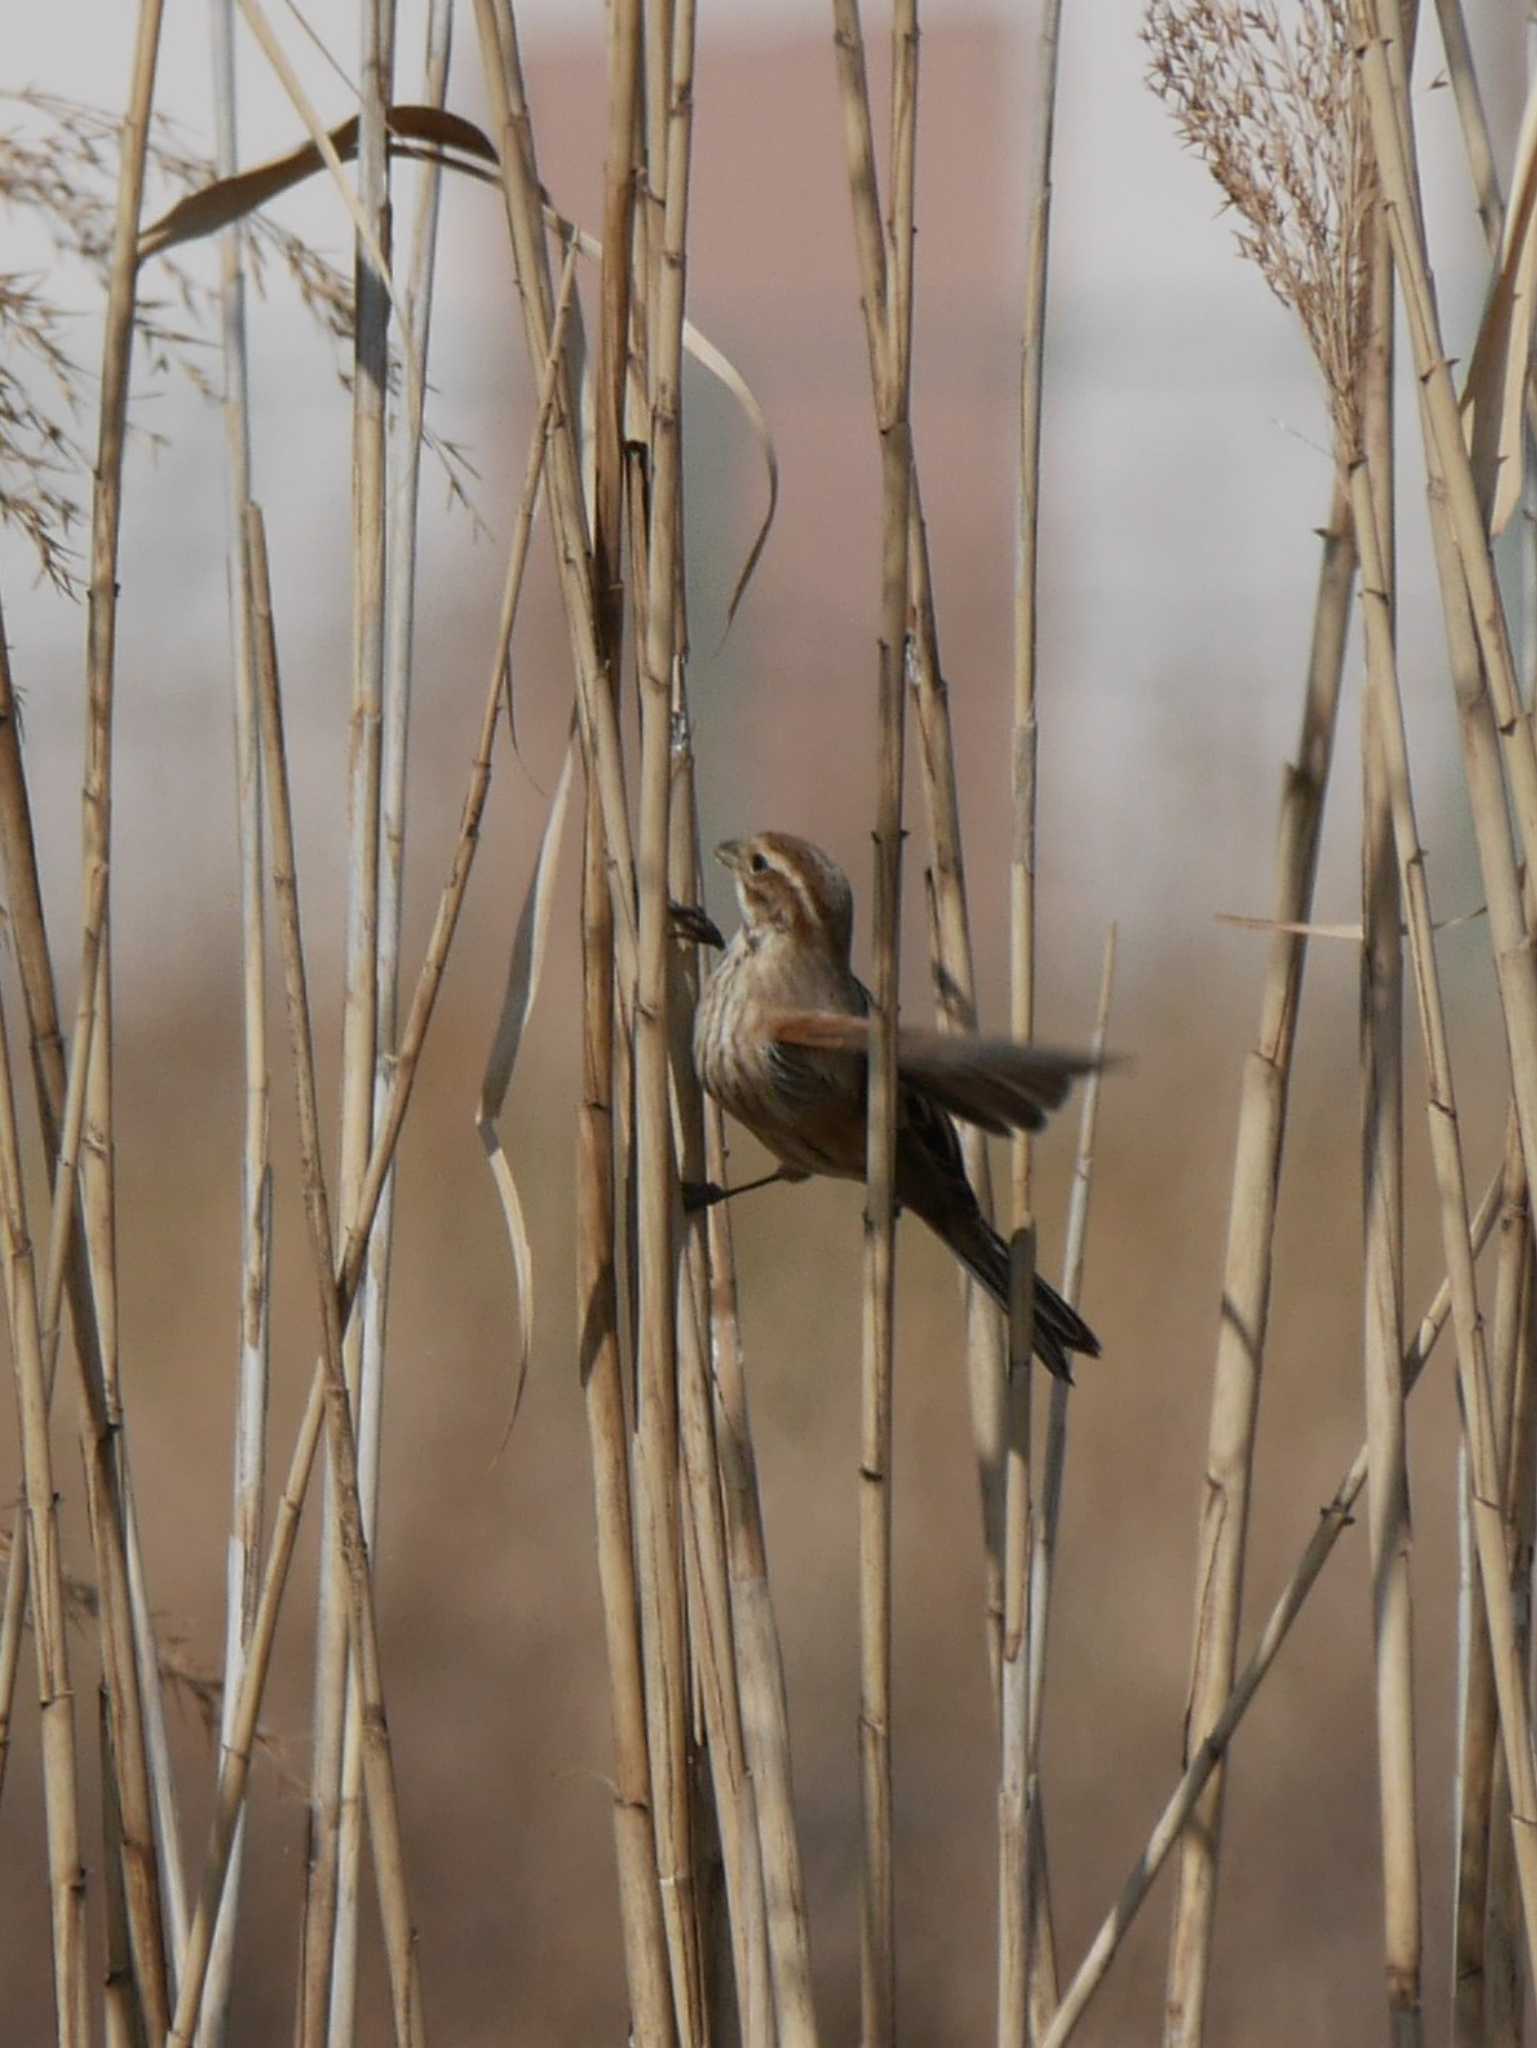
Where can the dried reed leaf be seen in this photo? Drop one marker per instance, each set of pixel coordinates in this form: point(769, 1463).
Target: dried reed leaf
point(523, 975)
point(219, 204)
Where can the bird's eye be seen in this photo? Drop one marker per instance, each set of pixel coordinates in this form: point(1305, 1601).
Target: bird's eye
point(758, 864)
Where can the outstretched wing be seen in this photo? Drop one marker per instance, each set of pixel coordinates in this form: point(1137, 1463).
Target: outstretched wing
point(997, 1083)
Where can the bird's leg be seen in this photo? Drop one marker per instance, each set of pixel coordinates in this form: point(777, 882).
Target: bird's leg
point(699, 1195)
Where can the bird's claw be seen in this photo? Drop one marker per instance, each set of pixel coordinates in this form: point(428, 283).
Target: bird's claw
point(699, 1195)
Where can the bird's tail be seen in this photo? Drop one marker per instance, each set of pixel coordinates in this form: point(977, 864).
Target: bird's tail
point(1059, 1329)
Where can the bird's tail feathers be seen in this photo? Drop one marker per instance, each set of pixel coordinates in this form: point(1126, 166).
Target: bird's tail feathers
point(1059, 1329)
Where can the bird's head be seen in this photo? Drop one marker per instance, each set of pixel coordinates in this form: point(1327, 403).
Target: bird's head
point(787, 885)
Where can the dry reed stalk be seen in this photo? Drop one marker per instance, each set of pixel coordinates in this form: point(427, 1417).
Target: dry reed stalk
point(238, 1747)
point(1179, 1811)
point(126, 1683)
point(1016, 1964)
point(886, 276)
point(1504, 1964)
point(1247, 1268)
point(1381, 1044)
point(1478, 1714)
point(64, 1124)
point(723, 1678)
point(765, 1720)
point(502, 72)
point(956, 1007)
point(249, 1476)
point(405, 471)
point(601, 1368)
point(1478, 1420)
point(1043, 1983)
point(360, 1011)
point(1035, 1977)
point(1381, 58)
point(600, 1352)
point(123, 2023)
point(1277, 123)
point(659, 648)
point(378, 1768)
point(66, 1877)
point(620, 172)
point(1470, 113)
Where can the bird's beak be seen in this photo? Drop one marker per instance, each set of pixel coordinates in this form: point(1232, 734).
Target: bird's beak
point(729, 854)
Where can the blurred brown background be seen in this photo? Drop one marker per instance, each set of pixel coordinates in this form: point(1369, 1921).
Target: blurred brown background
point(1185, 465)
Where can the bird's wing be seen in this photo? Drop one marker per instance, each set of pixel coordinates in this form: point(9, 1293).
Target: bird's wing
point(997, 1083)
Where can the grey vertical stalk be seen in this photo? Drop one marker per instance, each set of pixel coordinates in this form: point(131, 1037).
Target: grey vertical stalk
point(1383, 1223)
point(242, 1572)
point(658, 1527)
point(360, 1017)
point(1245, 1303)
point(1027, 1967)
point(105, 1482)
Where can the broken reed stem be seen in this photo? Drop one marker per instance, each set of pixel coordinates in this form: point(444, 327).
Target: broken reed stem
point(243, 1569)
point(1245, 1297)
point(66, 1877)
point(360, 1012)
point(1180, 1809)
point(127, 1684)
point(1381, 1042)
point(657, 1502)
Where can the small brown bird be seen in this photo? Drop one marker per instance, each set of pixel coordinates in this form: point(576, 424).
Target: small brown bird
point(781, 1040)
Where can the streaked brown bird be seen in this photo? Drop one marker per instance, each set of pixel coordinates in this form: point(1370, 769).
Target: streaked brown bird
point(781, 1039)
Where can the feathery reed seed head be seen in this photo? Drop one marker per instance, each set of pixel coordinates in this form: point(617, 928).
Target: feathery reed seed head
point(1277, 115)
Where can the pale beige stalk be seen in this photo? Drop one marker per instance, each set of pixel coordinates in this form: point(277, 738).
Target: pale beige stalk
point(61, 1798)
point(243, 1565)
point(126, 1682)
point(886, 275)
point(1381, 1040)
point(360, 1009)
point(657, 1496)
